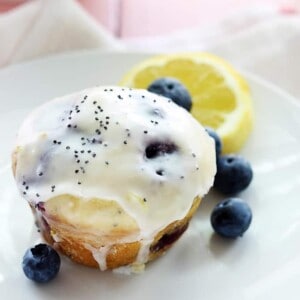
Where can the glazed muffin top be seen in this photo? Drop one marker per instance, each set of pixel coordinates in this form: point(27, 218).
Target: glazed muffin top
point(131, 146)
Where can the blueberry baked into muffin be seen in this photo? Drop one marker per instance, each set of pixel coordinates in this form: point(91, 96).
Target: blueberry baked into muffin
point(113, 175)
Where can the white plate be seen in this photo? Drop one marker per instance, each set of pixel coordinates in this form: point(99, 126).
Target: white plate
point(264, 264)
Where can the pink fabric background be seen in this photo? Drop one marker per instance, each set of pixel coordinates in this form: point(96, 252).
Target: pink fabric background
point(136, 18)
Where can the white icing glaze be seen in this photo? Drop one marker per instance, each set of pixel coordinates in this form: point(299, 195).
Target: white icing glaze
point(56, 237)
point(144, 251)
point(92, 144)
point(99, 255)
point(135, 268)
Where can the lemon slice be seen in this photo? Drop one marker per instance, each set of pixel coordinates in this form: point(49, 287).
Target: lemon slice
point(220, 96)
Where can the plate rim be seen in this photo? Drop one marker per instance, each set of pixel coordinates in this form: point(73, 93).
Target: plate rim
point(104, 52)
point(254, 79)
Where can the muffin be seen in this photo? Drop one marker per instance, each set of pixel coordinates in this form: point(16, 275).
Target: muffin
point(113, 175)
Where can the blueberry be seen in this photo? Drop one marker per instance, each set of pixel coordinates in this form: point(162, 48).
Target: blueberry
point(156, 149)
point(217, 140)
point(169, 238)
point(231, 217)
point(41, 263)
point(173, 89)
point(234, 174)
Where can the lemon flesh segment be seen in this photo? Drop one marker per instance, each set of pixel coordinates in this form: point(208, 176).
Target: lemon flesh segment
point(220, 96)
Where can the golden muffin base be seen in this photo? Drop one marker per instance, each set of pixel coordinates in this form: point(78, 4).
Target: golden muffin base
point(73, 241)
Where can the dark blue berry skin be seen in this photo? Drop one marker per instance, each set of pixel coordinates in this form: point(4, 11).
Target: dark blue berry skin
point(156, 149)
point(173, 89)
point(231, 218)
point(41, 263)
point(217, 140)
point(234, 174)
